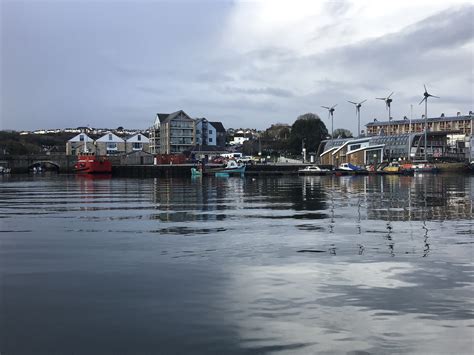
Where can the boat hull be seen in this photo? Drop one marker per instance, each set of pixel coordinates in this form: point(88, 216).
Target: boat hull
point(92, 165)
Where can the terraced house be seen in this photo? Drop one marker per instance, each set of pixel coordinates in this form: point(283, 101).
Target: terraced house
point(109, 144)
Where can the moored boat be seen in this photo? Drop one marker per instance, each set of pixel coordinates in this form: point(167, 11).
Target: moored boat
point(4, 170)
point(393, 167)
point(231, 168)
point(92, 164)
point(348, 168)
point(397, 168)
point(425, 168)
point(313, 170)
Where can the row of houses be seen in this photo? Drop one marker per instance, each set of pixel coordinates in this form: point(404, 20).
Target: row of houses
point(460, 124)
point(108, 144)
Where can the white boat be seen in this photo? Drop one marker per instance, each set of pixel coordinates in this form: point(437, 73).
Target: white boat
point(313, 170)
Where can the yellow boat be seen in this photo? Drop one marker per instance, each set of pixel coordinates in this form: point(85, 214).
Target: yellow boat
point(393, 167)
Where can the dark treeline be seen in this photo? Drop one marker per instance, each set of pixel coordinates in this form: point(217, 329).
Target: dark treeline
point(307, 131)
point(14, 143)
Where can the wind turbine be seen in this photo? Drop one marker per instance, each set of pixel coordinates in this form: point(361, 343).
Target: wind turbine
point(331, 115)
point(358, 106)
point(388, 101)
point(425, 99)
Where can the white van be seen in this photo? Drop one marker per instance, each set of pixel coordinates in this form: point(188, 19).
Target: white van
point(238, 157)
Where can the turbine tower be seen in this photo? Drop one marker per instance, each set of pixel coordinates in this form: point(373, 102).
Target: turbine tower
point(425, 99)
point(358, 106)
point(388, 101)
point(331, 115)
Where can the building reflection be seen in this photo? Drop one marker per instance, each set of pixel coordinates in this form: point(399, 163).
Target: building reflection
point(419, 198)
point(201, 200)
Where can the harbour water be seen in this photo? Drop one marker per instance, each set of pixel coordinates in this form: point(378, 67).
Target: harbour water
point(300, 265)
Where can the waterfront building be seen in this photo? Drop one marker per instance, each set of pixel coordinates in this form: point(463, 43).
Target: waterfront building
point(154, 136)
point(459, 124)
point(210, 133)
point(221, 133)
point(176, 132)
point(137, 142)
point(358, 152)
point(109, 144)
point(79, 144)
point(375, 149)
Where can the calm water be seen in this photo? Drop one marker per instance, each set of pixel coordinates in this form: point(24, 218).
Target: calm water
point(237, 265)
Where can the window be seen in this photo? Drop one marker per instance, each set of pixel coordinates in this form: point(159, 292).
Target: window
point(210, 140)
point(111, 146)
point(81, 138)
point(110, 136)
point(139, 137)
point(137, 146)
point(210, 131)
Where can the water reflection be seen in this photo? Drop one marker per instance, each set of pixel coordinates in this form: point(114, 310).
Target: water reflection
point(377, 302)
point(245, 265)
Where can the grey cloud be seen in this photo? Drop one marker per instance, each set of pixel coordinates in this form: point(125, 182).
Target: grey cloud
point(259, 91)
point(443, 32)
point(123, 68)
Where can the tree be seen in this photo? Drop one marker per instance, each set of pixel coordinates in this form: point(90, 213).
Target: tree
point(343, 133)
point(310, 129)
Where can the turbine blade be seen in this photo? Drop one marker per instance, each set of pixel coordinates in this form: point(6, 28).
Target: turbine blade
point(334, 106)
point(434, 96)
point(381, 98)
point(360, 103)
point(425, 88)
point(327, 108)
point(390, 95)
point(422, 101)
point(352, 102)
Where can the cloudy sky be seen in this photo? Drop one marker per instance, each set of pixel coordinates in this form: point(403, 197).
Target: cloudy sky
point(107, 63)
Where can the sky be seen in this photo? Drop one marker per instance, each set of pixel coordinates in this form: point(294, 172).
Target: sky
point(107, 63)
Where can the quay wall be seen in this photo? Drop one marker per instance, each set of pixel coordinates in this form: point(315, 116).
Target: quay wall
point(64, 164)
point(185, 170)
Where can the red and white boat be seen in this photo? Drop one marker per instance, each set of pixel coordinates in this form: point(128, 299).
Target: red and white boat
point(92, 164)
